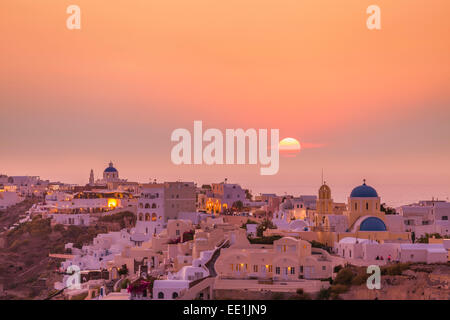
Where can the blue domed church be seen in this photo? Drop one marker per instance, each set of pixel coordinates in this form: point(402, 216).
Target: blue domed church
point(364, 210)
point(110, 174)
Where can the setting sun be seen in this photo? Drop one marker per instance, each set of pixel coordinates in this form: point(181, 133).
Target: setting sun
point(289, 147)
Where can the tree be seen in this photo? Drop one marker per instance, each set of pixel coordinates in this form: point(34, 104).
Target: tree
point(123, 270)
point(263, 226)
point(387, 210)
point(238, 205)
point(248, 194)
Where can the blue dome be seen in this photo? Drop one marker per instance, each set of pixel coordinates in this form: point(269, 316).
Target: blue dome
point(364, 191)
point(110, 168)
point(372, 224)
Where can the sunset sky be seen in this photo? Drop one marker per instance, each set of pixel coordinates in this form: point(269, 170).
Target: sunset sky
point(363, 104)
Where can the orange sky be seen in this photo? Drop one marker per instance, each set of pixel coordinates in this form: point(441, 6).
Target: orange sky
point(376, 101)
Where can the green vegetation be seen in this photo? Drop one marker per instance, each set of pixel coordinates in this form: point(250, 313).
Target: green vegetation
point(387, 210)
point(123, 270)
point(36, 227)
point(344, 277)
point(301, 295)
point(263, 226)
point(124, 284)
point(264, 240)
point(27, 249)
point(318, 245)
point(238, 205)
point(395, 269)
point(424, 239)
point(244, 225)
point(188, 235)
point(337, 268)
point(123, 218)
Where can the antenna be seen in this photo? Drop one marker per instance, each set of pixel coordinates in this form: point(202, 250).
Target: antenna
point(322, 176)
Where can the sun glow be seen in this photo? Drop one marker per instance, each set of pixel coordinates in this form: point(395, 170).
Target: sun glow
point(289, 147)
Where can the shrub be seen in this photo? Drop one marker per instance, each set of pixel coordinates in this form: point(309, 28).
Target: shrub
point(264, 240)
point(324, 294)
point(123, 270)
point(188, 235)
point(395, 270)
point(338, 289)
point(337, 268)
point(263, 226)
point(17, 244)
point(124, 284)
point(277, 296)
point(121, 218)
point(330, 280)
point(58, 228)
point(344, 276)
point(360, 279)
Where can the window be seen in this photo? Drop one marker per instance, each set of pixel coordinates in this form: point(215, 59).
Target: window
point(270, 268)
point(444, 217)
point(174, 295)
point(292, 270)
point(154, 205)
point(277, 270)
point(301, 269)
point(324, 268)
point(160, 295)
point(177, 232)
point(255, 268)
point(367, 206)
point(356, 206)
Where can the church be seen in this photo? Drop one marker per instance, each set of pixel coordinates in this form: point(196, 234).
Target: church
point(362, 218)
point(112, 181)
